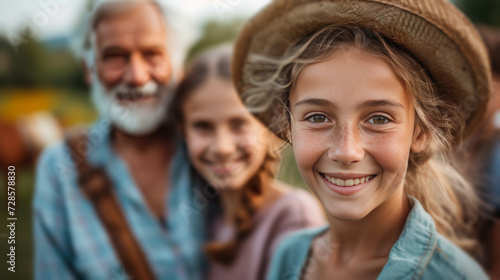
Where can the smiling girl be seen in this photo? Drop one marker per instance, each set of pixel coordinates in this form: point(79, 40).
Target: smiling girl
point(238, 157)
point(374, 96)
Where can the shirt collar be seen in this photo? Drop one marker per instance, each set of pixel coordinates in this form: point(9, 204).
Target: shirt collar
point(99, 136)
point(415, 245)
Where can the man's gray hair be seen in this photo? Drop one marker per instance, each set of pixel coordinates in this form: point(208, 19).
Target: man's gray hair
point(179, 34)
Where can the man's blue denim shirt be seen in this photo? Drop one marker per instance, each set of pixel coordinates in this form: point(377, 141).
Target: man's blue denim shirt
point(419, 253)
point(70, 241)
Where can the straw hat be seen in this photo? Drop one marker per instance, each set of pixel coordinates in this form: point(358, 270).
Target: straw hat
point(434, 31)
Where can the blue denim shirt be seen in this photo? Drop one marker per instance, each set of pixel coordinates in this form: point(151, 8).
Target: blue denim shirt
point(70, 241)
point(419, 253)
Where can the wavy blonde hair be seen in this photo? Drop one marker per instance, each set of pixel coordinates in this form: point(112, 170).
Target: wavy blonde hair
point(432, 176)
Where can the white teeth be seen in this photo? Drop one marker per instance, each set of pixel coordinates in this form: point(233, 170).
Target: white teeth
point(347, 182)
point(223, 165)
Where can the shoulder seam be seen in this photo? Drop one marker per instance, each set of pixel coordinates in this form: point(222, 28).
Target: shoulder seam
point(424, 260)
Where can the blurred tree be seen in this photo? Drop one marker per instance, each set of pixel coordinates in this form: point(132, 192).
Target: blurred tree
point(481, 11)
point(32, 64)
point(216, 33)
point(24, 63)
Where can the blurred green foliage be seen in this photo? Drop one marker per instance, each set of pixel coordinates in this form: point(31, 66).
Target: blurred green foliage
point(30, 63)
point(485, 12)
point(215, 33)
point(288, 171)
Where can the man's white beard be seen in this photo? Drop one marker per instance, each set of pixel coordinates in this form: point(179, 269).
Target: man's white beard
point(133, 118)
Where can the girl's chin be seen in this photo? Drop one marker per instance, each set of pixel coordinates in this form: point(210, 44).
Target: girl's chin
point(224, 184)
point(344, 209)
point(346, 216)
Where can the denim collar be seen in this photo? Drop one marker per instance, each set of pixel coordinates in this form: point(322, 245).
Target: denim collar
point(415, 246)
point(101, 153)
point(100, 150)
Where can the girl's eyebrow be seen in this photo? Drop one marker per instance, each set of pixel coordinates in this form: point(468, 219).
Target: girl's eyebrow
point(367, 104)
point(315, 101)
point(381, 103)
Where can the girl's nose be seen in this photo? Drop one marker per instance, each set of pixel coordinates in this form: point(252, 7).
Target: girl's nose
point(347, 145)
point(224, 144)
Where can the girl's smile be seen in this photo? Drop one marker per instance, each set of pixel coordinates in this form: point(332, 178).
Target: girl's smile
point(347, 184)
point(224, 168)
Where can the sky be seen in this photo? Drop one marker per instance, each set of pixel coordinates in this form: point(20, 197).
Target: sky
point(54, 18)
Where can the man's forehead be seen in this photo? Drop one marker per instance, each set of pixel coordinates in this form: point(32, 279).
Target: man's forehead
point(139, 20)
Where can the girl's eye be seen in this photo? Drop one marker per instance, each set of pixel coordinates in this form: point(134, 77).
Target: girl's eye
point(202, 126)
point(378, 120)
point(237, 124)
point(318, 119)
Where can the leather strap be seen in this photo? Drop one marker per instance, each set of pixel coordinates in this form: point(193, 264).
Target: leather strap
point(95, 184)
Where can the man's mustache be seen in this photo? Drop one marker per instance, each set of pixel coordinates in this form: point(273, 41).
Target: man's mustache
point(123, 91)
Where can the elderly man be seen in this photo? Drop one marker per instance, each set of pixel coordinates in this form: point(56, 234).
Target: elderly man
point(131, 62)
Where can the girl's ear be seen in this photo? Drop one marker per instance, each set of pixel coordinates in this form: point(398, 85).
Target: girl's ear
point(420, 140)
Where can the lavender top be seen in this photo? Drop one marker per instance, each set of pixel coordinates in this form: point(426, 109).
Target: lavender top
point(294, 210)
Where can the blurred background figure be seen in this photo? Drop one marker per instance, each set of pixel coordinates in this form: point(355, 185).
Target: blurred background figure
point(116, 210)
point(22, 142)
point(41, 73)
point(481, 158)
point(238, 157)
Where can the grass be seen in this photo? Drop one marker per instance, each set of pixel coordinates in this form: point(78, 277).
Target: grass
point(23, 236)
point(288, 171)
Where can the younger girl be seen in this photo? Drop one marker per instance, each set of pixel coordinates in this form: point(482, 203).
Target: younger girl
point(373, 96)
point(238, 157)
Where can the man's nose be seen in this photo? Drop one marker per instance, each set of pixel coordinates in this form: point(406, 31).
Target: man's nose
point(137, 72)
point(347, 145)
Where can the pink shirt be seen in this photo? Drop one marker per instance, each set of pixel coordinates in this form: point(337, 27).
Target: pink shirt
point(294, 210)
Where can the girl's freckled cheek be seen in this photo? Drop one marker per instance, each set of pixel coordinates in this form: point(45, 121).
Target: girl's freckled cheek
point(390, 150)
point(306, 148)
